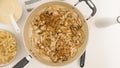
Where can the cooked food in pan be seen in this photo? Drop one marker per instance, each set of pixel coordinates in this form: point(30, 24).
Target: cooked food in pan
point(8, 47)
point(57, 33)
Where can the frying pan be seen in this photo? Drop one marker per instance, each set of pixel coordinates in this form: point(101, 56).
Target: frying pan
point(30, 48)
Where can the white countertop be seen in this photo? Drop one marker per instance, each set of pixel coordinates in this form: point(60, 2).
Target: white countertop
point(103, 50)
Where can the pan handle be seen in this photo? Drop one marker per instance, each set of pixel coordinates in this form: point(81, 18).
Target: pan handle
point(23, 62)
point(82, 60)
point(91, 5)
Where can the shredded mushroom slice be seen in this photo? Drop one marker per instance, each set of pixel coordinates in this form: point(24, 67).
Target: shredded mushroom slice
point(57, 33)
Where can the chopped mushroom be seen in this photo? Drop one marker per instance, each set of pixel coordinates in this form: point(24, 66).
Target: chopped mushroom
point(58, 33)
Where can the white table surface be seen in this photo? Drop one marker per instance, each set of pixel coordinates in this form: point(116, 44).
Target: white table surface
point(103, 50)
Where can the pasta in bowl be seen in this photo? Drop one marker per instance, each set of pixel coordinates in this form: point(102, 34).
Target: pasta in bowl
point(8, 47)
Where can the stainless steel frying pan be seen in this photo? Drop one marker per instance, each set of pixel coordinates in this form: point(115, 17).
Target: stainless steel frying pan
point(30, 48)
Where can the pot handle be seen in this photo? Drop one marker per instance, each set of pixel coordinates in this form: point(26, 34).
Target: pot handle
point(22, 62)
point(91, 5)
